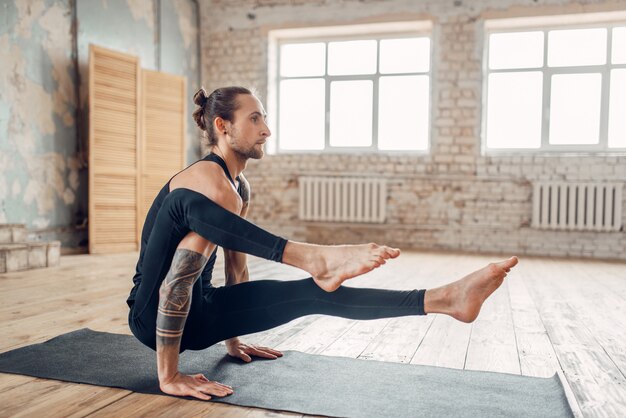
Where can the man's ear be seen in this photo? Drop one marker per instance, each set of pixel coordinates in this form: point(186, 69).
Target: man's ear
point(221, 125)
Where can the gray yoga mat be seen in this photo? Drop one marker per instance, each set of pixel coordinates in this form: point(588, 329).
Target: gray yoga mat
point(298, 382)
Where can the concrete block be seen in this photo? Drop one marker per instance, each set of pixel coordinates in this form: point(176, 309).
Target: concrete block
point(12, 233)
point(16, 256)
point(53, 253)
point(37, 255)
point(19, 233)
point(6, 235)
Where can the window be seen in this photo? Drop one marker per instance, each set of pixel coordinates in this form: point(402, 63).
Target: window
point(351, 89)
point(557, 88)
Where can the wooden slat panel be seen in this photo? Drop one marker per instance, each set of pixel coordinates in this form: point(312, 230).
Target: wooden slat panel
point(115, 106)
point(115, 114)
point(115, 93)
point(120, 161)
point(163, 133)
point(113, 151)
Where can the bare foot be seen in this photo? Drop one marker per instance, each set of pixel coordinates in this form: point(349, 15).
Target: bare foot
point(463, 299)
point(330, 266)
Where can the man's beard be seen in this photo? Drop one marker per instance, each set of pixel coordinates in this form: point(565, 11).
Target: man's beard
point(246, 154)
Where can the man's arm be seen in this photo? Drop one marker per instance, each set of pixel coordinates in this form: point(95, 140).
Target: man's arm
point(174, 304)
point(236, 263)
point(236, 267)
point(236, 271)
point(175, 294)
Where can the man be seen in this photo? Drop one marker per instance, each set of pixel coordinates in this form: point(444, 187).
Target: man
point(173, 306)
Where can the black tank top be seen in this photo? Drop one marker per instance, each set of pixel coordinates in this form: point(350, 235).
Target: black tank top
point(151, 217)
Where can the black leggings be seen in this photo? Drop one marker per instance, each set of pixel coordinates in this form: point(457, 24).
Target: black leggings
point(227, 312)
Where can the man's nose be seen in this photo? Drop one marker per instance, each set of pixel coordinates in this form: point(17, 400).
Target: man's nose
point(266, 130)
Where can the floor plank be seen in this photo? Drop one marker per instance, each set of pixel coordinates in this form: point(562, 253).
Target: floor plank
point(597, 383)
point(445, 344)
point(492, 345)
point(54, 398)
point(536, 354)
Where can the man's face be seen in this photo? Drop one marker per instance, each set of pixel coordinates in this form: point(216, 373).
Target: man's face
point(248, 130)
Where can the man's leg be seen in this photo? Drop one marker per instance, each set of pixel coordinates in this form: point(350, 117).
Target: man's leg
point(184, 211)
point(330, 266)
point(260, 305)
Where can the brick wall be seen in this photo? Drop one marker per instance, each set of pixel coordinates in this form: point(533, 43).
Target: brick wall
point(453, 198)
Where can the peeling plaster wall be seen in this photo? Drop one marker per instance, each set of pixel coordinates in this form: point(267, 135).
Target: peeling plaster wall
point(39, 180)
point(454, 198)
point(44, 50)
point(180, 54)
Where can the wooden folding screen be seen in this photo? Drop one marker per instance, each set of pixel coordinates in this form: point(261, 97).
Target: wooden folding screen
point(113, 151)
point(136, 142)
point(163, 133)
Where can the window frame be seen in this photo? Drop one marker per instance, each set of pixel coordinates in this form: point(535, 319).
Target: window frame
point(547, 73)
point(376, 32)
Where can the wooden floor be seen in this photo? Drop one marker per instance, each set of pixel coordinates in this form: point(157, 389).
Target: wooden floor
point(566, 316)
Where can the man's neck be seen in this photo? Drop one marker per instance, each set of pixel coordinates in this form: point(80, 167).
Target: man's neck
point(234, 161)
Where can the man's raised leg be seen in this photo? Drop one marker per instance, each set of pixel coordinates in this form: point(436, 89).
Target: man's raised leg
point(328, 265)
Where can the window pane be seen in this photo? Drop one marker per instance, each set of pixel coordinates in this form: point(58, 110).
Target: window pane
point(619, 46)
point(514, 102)
point(301, 114)
point(352, 57)
point(298, 60)
point(351, 113)
point(515, 50)
point(403, 113)
point(575, 108)
point(410, 55)
point(617, 110)
point(576, 47)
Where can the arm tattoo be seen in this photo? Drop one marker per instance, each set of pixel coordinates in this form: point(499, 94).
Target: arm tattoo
point(175, 295)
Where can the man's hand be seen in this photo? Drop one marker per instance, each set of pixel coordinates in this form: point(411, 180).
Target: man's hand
point(243, 351)
point(197, 386)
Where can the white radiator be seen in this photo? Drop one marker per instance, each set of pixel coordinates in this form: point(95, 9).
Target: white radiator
point(577, 206)
point(343, 199)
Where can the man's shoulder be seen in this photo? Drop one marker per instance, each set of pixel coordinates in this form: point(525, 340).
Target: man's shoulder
point(213, 183)
point(209, 180)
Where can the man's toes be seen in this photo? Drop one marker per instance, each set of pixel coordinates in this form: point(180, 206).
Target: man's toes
point(508, 264)
point(393, 252)
point(382, 253)
point(388, 252)
point(493, 269)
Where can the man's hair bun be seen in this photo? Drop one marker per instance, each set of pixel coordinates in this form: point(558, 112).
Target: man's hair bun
point(200, 98)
